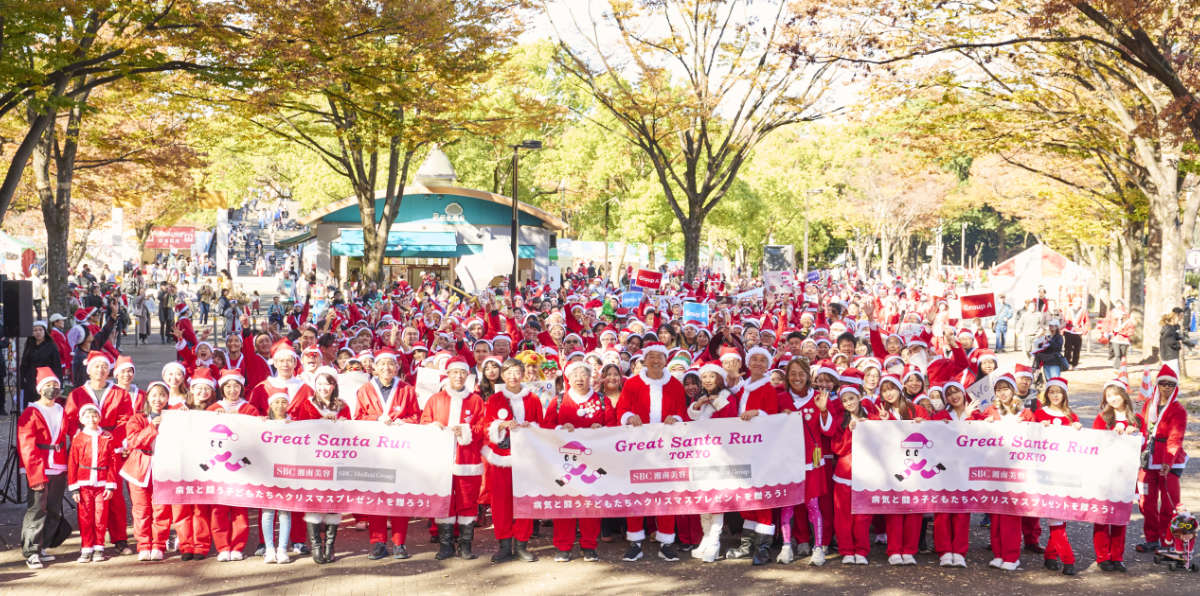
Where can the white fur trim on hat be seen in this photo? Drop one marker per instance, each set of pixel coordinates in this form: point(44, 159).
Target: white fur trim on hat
point(713, 368)
point(173, 366)
point(87, 407)
point(757, 350)
point(577, 364)
point(458, 365)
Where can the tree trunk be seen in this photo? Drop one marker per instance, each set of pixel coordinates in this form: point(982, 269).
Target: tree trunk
point(372, 267)
point(885, 254)
point(1149, 288)
point(691, 246)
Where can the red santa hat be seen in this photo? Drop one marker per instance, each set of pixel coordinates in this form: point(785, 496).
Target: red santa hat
point(1166, 373)
point(729, 353)
point(83, 314)
point(849, 389)
point(712, 367)
point(760, 351)
point(459, 363)
point(655, 347)
point(948, 384)
point(852, 376)
point(1005, 378)
point(1121, 384)
point(1021, 370)
point(825, 367)
point(910, 371)
point(1059, 382)
point(181, 309)
point(231, 374)
point(386, 354)
point(203, 376)
point(312, 351)
point(170, 366)
point(89, 408)
point(891, 378)
point(95, 356)
point(123, 362)
point(283, 348)
point(46, 375)
point(575, 365)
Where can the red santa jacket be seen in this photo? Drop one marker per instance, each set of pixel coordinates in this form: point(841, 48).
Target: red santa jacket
point(841, 442)
point(137, 397)
point(115, 408)
point(949, 414)
point(64, 347)
point(295, 387)
point(399, 404)
point(652, 400)
point(252, 366)
point(93, 460)
point(817, 447)
point(308, 409)
point(581, 411)
point(240, 406)
point(1119, 425)
point(42, 442)
point(1053, 416)
point(1166, 432)
point(502, 406)
point(140, 436)
point(465, 410)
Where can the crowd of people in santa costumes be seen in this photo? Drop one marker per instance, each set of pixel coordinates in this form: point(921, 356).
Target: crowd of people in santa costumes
point(834, 354)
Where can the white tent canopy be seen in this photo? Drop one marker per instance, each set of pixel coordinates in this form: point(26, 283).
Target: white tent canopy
point(1039, 266)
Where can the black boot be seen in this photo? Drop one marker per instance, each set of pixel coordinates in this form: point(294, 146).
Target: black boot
point(524, 553)
point(330, 535)
point(314, 542)
point(466, 535)
point(445, 542)
point(762, 549)
point(743, 549)
point(504, 553)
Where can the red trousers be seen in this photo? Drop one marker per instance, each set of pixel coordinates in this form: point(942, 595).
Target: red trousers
point(378, 525)
point(1159, 496)
point(230, 527)
point(1059, 546)
point(1031, 530)
point(499, 481)
point(761, 518)
point(93, 515)
point(464, 496)
point(151, 523)
point(1109, 542)
point(853, 531)
point(191, 528)
point(564, 532)
point(635, 528)
point(903, 533)
point(951, 532)
point(1006, 537)
point(687, 529)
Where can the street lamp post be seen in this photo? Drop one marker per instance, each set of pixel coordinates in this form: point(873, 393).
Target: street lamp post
point(527, 144)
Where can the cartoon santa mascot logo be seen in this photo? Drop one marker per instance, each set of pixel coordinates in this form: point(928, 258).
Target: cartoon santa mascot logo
point(573, 467)
point(220, 436)
point(913, 462)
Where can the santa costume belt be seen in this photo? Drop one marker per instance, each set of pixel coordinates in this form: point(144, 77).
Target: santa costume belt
point(108, 428)
point(49, 447)
point(91, 468)
point(146, 451)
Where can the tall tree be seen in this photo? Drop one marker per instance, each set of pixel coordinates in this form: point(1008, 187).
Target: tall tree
point(695, 85)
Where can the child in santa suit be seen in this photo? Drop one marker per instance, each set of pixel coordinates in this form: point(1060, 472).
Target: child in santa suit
point(511, 406)
point(42, 445)
point(151, 523)
point(853, 531)
point(460, 410)
point(231, 525)
point(578, 407)
point(713, 401)
point(650, 397)
point(390, 400)
point(1055, 410)
point(952, 531)
point(903, 529)
point(191, 522)
point(92, 479)
point(115, 409)
point(1163, 461)
point(323, 405)
point(1005, 529)
point(798, 398)
point(1118, 415)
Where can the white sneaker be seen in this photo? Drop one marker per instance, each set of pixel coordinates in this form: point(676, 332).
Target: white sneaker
point(909, 560)
point(947, 560)
point(281, 555)
point(45, 556)
point(156, 555)
point(269, 555)
point(960, 561)
point(297, 549)
point(881, 539)
point(786, 556)
point(818, 556)
point(223, 556)
point(998, 563)
point(860, 559)
point(849, 560)
point(34, 562)
point(85, 556)
point(895, 560)
point(143, 555)
point(1011, 566)
point(98, 555)
point(236, 555)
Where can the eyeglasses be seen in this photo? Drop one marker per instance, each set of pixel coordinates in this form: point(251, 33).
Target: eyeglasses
point(1167, 384)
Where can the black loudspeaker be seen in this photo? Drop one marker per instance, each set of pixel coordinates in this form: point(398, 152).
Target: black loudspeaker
point(18, 308)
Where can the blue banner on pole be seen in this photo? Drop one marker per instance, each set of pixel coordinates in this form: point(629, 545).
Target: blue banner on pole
point(813, 276)
point(631, 299)
point(695, 312)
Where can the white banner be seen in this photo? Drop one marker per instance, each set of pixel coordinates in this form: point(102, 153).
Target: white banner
point(313, 465)
point(1014, 468)
point(726, 464)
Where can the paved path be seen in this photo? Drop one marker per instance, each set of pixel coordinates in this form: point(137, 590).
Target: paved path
point(354, 574)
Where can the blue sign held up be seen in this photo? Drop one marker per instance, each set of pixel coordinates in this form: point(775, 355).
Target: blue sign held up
point(631, 299)
point(695, 312)
point(813, 276)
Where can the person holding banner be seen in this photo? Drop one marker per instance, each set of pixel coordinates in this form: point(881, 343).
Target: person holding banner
point(324, 404)
point(390, 400)
point(230, 525)
point(461, 410)
point(577, 407)
point(712, 401)
point(799, 398)
point(512, 406)
point(1163, 461)
point(1006, 529)
point(903, 529)
point(151, 523)
point(651, 397)
point(1056, 410)
point(952, 531)
point(192, 521)
point(853, 531)
point(1118, 415)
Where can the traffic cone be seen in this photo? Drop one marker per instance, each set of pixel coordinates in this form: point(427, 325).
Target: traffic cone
point(1123, 373)
point(1147, 384)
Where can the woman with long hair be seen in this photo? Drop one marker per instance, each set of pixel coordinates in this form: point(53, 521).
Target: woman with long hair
point(903, 529)
point(1117, 414)
point(1055, 410)
point(323, 404)
point(1005, 529)
point(952, 531)
point(798, 399)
